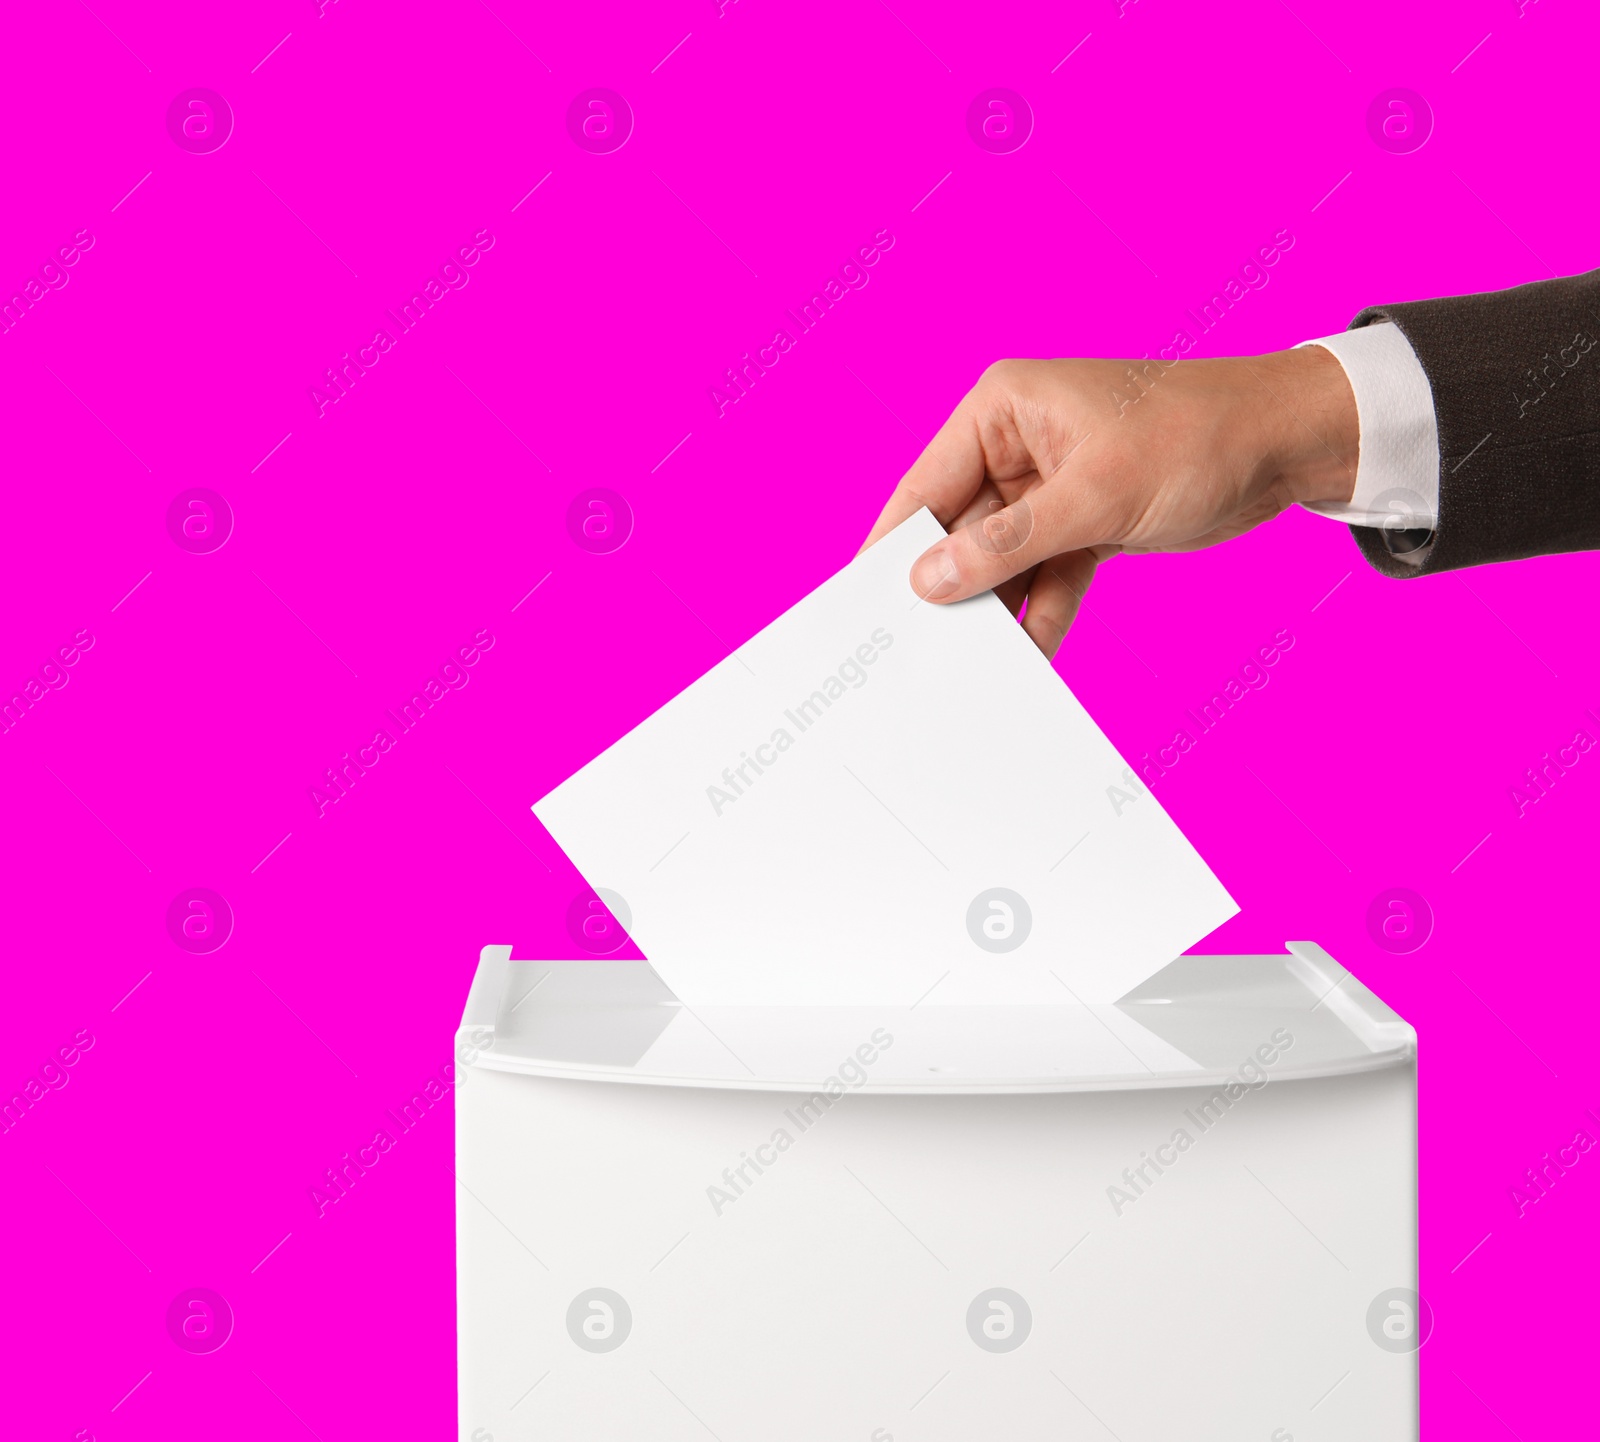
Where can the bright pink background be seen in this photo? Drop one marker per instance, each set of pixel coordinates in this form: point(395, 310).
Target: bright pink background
point(415, 513)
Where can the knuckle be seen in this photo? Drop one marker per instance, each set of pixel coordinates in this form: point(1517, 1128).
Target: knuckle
point(1001, 373)
point(910, 491)
point(1006, 530)
point(1048, 626)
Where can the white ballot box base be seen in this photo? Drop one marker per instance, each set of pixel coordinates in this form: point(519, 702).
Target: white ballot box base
point(1191, 1215)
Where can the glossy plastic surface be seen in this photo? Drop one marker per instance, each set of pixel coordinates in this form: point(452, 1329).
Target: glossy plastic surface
point(1200, 1020)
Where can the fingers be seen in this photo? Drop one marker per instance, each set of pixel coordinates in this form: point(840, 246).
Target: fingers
point(1046, 522)
point(1055, 596)
point(985, 501)
point(1014, 593)
point(945, 477)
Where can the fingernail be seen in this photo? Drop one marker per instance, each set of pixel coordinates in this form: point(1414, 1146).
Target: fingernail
point(934, 576)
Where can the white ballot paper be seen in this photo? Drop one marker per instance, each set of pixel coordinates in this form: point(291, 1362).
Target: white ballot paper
point(878, 801)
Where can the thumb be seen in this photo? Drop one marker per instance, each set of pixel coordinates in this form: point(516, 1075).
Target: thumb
point(1005, 543)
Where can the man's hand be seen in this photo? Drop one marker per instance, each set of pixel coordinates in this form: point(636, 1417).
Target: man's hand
point(1049, 467)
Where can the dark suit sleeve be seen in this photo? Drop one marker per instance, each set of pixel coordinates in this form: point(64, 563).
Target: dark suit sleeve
point(1516, 389)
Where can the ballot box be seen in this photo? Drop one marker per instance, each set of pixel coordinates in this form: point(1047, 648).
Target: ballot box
point(1189, 1215)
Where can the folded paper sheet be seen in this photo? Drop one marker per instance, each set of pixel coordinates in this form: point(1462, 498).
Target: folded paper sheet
point(875, 801)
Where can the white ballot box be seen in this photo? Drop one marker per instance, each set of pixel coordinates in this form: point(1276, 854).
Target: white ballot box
point(1189, 1215)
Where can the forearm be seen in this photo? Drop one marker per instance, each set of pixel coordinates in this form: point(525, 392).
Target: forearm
point(1306, 411)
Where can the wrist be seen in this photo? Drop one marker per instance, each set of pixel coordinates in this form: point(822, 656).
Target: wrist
point(1310, 428)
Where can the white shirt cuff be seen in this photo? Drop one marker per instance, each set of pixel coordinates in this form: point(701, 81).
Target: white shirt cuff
point(1397, 480)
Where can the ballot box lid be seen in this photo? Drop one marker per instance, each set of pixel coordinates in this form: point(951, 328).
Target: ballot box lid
point(1201, 1021)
